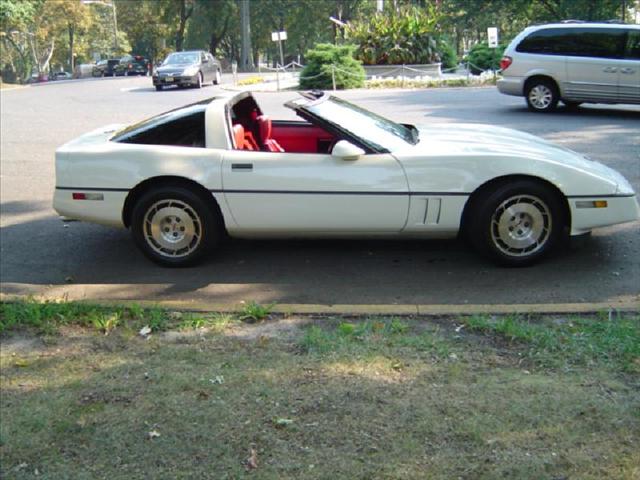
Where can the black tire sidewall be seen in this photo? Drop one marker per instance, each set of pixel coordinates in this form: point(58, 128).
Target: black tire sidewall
point(211, 231)
point(480, 232)
point(551, 86)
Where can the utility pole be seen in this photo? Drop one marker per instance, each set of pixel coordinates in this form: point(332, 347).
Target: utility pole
point(246, 59)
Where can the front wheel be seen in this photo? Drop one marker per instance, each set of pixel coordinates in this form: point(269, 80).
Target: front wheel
point(199, 81)
point(518, 223)
point(542, 95)
point(174, 226)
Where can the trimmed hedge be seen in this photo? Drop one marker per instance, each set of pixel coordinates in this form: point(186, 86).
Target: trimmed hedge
point(322, 59)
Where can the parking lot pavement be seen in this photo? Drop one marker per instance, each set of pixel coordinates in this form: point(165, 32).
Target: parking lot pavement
point(39, 254)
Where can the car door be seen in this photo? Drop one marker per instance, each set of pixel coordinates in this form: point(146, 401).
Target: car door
point(298, 193)
point(594, 63)
point(629, 69)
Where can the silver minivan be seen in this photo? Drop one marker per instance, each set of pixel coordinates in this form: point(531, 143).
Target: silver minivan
point(573, 63)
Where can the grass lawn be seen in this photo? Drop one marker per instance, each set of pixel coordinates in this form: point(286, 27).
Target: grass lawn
point(84, 395)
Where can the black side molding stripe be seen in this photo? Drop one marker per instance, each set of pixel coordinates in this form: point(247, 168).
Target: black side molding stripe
point(625, 195)
point(94, 189)
point(325, 192)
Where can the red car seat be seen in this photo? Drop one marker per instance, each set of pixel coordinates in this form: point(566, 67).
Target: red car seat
point(268, 143)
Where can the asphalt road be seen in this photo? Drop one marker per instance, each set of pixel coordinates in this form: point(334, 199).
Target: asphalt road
point(39, 254)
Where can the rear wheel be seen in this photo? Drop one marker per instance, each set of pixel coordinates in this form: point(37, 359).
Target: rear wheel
point(518, 223)
point(542, 95)
point(159, 88)
point(175, 227)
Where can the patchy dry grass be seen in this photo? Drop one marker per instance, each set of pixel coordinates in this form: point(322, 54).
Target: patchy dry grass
point(317, 398)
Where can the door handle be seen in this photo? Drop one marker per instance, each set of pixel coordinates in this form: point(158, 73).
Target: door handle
point(242, 167)
point(610, 69)
point(627, 70)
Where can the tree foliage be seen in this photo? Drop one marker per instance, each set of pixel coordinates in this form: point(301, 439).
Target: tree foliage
point(38, 35)
point(406, 35)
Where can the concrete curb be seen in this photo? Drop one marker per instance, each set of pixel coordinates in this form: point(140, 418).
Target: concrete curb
point(346, 309)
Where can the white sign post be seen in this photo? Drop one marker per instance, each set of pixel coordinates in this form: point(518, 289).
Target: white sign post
point(279, 37)
point(492, 35)
point(492, 40)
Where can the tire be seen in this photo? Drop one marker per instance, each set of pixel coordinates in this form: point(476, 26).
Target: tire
point(542, 95)
point(199, 84)
point(174, 226)
point(517, 223)
point(159, 88)
point(218, 78)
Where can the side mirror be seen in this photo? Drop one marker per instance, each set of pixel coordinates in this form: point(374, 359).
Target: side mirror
point(346, 151)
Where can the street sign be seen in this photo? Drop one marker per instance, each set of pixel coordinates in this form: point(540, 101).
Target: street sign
point(492, 35)
point(278, 36)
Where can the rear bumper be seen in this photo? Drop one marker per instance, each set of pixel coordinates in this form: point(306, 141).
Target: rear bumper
point(106, 212)
point(620, 209)
point(511, 86)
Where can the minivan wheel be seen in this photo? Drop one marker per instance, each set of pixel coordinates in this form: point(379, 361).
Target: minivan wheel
point(542, 95)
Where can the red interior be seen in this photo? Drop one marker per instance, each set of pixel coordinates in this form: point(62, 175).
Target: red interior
point(301, 137)
point(283, 136)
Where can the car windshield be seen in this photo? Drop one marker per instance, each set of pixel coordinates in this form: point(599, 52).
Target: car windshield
point(379, 132)
point(181, 58)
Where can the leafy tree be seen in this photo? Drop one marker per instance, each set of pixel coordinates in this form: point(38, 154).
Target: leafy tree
point(406, 35)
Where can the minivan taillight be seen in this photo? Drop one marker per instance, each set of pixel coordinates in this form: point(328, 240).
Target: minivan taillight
point(505, 62)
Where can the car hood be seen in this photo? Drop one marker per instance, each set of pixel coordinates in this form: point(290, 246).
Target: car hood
point(488, 141)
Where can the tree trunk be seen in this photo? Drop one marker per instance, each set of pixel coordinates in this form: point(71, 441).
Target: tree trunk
point(185, 14)
point(71, 59)
point(246, 59)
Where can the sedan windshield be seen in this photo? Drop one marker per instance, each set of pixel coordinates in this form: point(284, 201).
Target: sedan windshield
point(377, 131)
point(181, 59)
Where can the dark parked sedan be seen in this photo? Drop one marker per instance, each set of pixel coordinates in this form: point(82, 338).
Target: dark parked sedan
point(132, 65)
point(187, 69)
point(105, 68)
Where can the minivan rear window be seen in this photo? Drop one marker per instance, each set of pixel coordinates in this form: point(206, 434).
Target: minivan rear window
point(633, 45)
point(576, 42)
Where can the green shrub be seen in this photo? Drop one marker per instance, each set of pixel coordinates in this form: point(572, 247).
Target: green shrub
point(481, 57)
point(326, 57)
point(448, 54)
point(395, 37)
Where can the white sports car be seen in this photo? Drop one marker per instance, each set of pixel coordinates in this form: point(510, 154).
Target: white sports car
point(182, 180)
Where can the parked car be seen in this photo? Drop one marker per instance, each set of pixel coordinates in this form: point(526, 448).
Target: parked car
point(181, 179)
point(573, 63)
point(105, 68)
point(61, 76)
point(132, 65)
point(187, 69)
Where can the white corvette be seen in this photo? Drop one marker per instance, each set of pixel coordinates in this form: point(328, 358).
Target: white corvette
point(182, 180)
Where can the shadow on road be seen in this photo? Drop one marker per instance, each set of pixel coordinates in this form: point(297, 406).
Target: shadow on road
point(319, 271)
